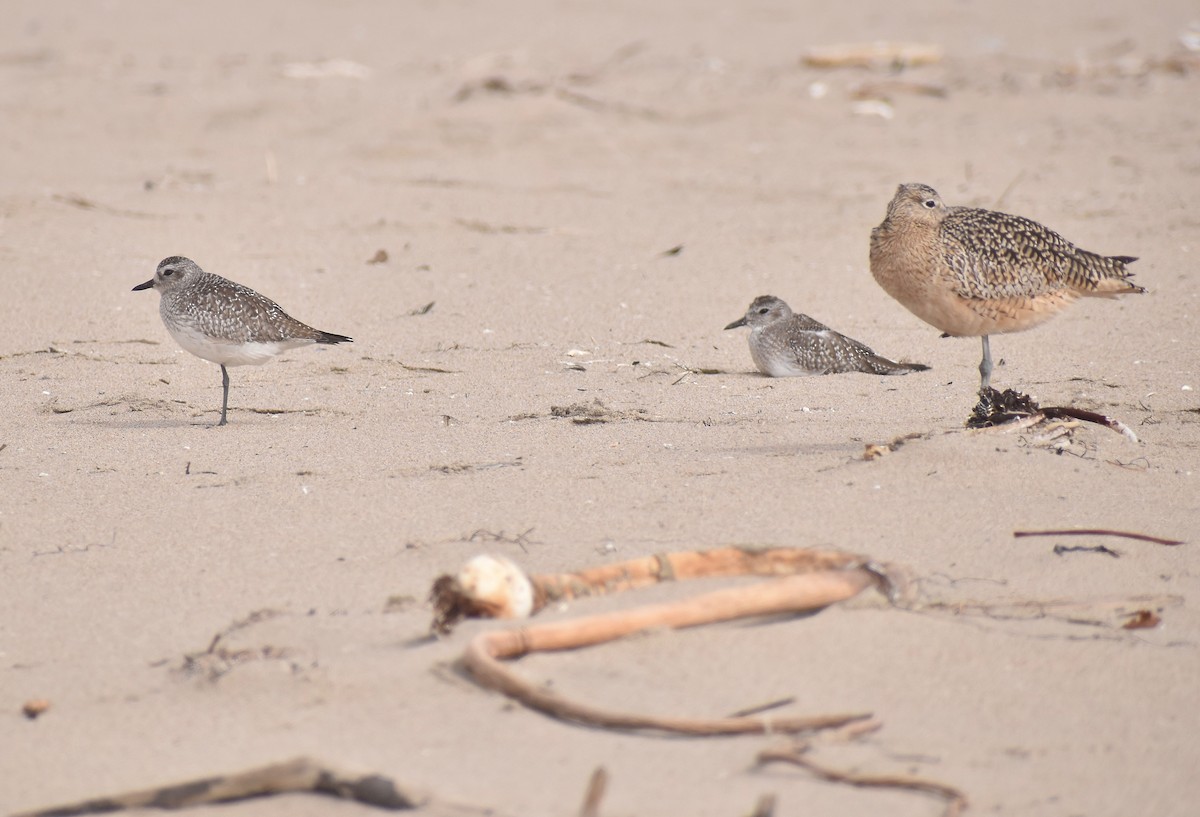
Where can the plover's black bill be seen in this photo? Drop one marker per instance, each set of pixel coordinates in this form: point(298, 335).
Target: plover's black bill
point(146, 285)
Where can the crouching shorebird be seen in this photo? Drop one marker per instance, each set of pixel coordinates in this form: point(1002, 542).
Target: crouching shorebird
point(224, 322)
point(972, 272)
point(786, 344)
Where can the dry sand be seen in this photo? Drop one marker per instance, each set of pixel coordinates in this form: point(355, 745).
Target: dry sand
point(535, 211)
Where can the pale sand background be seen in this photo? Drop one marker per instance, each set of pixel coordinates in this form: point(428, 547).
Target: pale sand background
point(536, 221)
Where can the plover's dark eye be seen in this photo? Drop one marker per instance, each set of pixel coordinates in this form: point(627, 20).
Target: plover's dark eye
point(168, 271)
point(763, 311)
point(930, 203)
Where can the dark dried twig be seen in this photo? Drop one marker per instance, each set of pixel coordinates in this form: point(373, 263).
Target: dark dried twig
point(689, 370)
point(88, 204)
point(61, 549)
point(429, 369)
point(1059, 550)
point(469, 467)
point(767, 707)
point(1017, 534)
point(521, 540)
point(1059, 412)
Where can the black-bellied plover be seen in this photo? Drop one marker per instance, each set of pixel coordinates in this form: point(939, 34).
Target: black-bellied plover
point(972, 272)
point(224, 322)
point(787, 344)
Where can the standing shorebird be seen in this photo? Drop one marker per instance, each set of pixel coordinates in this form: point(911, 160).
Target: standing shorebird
point(970, 272)
point(785, 344)
point(224, 322)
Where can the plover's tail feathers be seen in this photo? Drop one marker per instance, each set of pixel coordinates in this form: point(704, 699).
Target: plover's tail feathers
point(878, 364)
point(330, 337)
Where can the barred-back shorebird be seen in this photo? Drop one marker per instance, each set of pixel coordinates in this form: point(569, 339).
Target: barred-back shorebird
point(787, 344)
point(224, 322)
point(972, 272)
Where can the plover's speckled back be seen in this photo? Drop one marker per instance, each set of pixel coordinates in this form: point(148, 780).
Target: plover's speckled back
point(972, 272)
point(787, 344)
point(219, 320)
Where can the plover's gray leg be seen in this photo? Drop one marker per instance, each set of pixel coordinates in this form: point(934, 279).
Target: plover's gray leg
point(985, 366)
point(224, 393)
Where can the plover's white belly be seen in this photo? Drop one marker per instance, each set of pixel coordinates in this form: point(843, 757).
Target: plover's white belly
point(780, 366)
point(229, 353)
point(773, 356)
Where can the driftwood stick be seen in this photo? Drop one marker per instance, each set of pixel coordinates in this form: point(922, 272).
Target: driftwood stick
point(956, 801)
point(794, 594)
point(492, 586)
point(728, 561)
point(299, 775)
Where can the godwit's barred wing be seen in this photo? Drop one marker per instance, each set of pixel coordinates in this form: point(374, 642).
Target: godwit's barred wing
point(996, 255)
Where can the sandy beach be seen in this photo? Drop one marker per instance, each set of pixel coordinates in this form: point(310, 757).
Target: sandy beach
point(520, 207)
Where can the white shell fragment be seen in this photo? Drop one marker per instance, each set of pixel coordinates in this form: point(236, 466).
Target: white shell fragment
point(497, 582)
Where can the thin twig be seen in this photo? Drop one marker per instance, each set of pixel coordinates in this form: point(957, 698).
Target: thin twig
point(1011, 186)
point(956, 801)
point(1017, 534)
point(761, 708)
point(595, 793)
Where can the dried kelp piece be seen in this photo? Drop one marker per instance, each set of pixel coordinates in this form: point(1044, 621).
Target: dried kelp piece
point(1012, 408)
point(995, 408)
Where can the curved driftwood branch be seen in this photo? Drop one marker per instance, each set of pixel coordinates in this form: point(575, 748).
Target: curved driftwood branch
point(486, 653)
